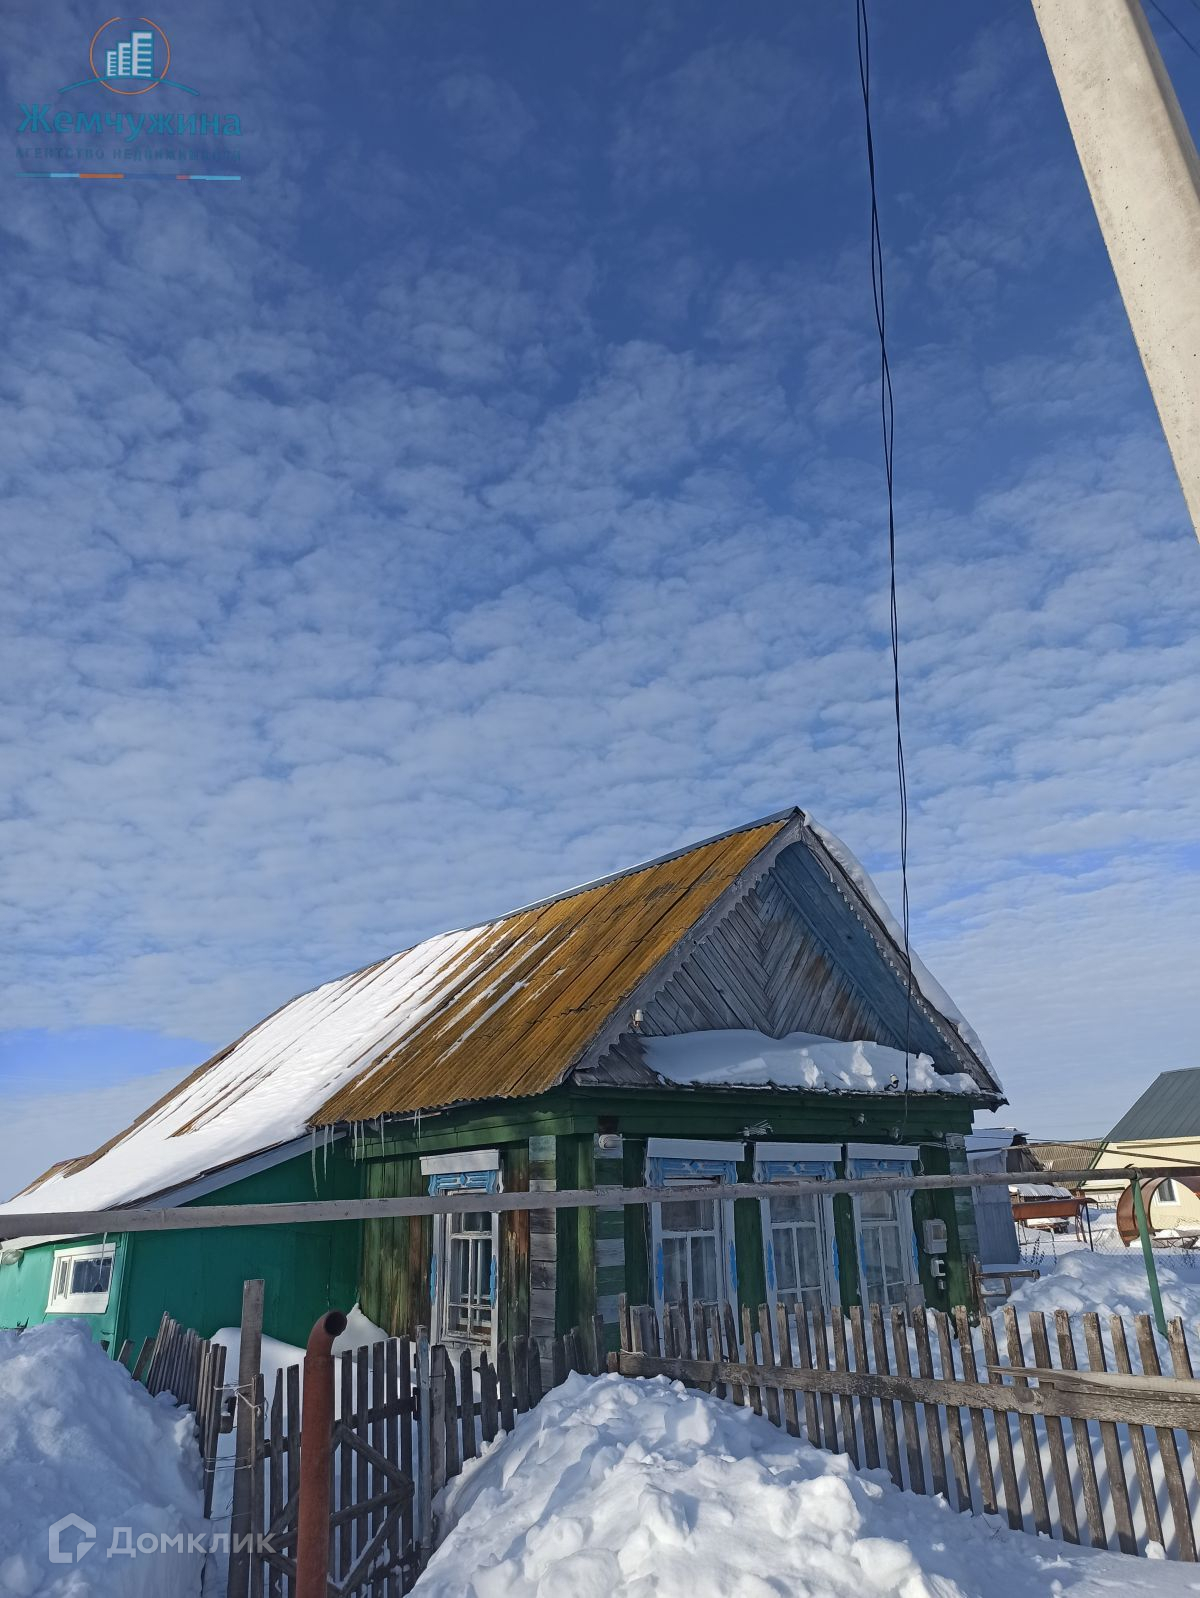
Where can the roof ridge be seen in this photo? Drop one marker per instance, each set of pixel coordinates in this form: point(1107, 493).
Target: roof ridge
point(646, 865)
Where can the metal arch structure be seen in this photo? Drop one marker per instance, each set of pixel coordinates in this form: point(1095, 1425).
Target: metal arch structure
point(1127, 1225)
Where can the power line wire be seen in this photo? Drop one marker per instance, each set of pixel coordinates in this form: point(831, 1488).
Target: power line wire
point(888, 417)
point(1175, 28)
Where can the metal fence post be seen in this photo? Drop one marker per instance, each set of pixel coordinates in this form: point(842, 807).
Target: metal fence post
point(1139, 1210)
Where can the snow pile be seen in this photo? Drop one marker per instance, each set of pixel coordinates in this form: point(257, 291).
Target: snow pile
point(746, 1059)
point(1112, 1284)
point(644, 1490)
point(79, 1437)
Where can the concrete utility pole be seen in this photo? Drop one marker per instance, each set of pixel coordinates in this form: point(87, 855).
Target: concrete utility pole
point(1141, 166)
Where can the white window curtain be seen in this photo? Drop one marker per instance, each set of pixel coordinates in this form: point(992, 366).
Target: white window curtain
point(692, 1238)
point(799, 1254)
point(883, 1225)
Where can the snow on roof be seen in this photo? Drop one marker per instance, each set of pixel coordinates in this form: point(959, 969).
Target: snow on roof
point(243, 1102)
point(524, 993)
point(990, 1139)
point(744, 1059)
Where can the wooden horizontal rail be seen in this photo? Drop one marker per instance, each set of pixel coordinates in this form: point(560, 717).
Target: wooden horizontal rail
point(1107, 1381)
point(1125, 1405)
point(160, 1218)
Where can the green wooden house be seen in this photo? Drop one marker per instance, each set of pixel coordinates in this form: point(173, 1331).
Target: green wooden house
point(738, 1009)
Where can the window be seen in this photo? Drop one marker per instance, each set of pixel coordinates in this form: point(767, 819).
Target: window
point(466, 1247)
point(81, 1279)
point(883, 1222)
point(693, 1255)
point(1165, 1193)
point(797, 1227)
point(470, 1258)
point(886, 1263)
point(691, 1251)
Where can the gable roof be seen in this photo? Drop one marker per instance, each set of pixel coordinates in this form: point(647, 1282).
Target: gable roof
point(1169, 1108)
point(501, 1010)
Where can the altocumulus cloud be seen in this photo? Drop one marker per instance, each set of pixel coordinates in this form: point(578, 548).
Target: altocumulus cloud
point(487, 495)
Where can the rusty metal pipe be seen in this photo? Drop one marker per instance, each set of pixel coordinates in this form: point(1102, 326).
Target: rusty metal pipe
point(312, 1531)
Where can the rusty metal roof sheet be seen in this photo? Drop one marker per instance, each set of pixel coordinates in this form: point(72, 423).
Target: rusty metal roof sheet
point(526, 995)
point(495, 1011)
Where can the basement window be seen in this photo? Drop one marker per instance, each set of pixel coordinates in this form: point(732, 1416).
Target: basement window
point(81, 1279)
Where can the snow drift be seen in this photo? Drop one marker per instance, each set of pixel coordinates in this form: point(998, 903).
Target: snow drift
point(643, 1490)
point(79, 1437)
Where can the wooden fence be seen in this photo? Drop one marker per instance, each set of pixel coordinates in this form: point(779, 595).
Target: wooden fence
point(180, 1362)
point(408, 1417)
point(1108, 1448)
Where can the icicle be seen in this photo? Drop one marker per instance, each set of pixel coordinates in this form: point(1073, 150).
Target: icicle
point(312, 1139)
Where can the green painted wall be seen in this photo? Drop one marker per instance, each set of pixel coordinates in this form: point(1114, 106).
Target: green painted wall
point(394, 1275)
point(572, 1116)
point(197, 1276)
point(25, 1287)
point(575, 1280)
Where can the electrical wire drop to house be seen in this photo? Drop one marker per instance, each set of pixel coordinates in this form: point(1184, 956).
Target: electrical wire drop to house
point(888, 419)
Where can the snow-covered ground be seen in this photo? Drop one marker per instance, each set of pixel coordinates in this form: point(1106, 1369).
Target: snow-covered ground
point(1111, 1283)
point(78, 1437)
point(642, 1489)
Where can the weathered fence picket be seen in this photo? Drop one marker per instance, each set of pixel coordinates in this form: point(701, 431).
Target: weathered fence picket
point(192, 1369)
point(408, 1418)
point(1122, 1418)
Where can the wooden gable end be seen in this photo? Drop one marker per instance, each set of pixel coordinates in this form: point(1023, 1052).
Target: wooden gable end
point(789, 954)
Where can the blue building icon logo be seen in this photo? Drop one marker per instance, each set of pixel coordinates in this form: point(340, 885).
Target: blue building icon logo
point(129, 55)
point(132, 57)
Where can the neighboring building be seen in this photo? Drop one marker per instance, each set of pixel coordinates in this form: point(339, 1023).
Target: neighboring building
point(1161, 1128)
point(992, 1150)
point(1075, 1156)
point(736, 1009)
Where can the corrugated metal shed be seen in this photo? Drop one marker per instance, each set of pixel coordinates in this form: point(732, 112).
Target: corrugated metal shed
point(1169, 1108)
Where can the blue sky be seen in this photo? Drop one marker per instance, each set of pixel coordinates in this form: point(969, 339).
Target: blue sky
point(486, 493)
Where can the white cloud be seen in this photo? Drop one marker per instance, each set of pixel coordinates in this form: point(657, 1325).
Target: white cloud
point(42, 1129)
point(404, 583)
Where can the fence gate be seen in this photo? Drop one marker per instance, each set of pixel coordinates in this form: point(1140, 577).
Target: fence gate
point(405, 1424)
